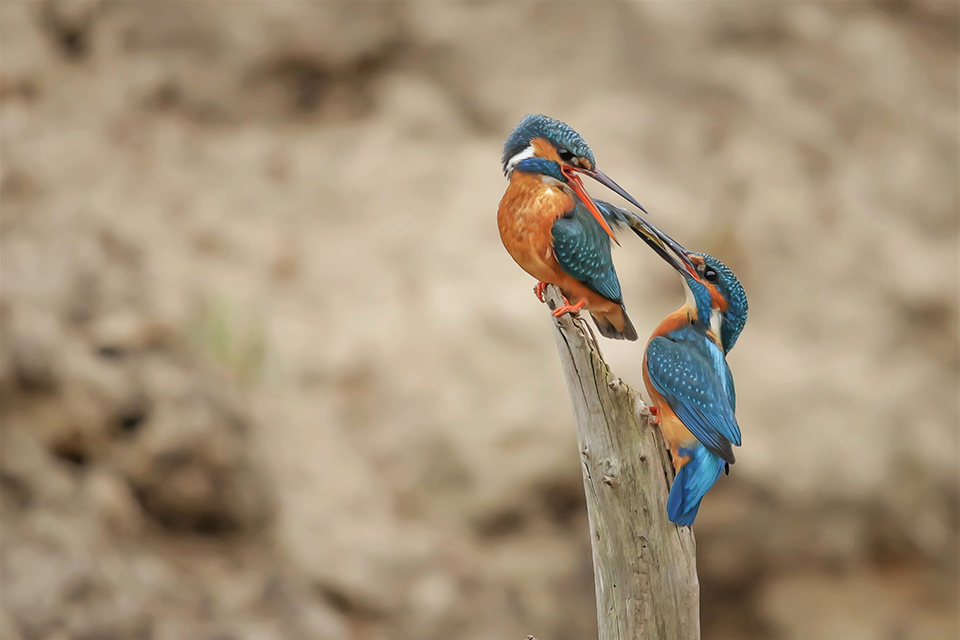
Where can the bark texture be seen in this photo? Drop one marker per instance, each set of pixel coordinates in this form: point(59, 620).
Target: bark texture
point(645, 567)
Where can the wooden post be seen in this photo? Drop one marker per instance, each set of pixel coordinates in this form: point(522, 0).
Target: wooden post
point(645, 567)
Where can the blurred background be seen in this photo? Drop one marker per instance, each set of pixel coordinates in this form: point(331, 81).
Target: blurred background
point(267, 372)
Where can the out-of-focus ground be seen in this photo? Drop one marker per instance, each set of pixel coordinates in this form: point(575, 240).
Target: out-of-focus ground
point(268, 373)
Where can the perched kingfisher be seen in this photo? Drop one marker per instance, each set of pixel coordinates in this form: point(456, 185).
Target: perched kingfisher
point(691, 387)
point(560, 235)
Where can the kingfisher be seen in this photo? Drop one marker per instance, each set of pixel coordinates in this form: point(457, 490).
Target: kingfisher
point(557, 233)
point(690, 384)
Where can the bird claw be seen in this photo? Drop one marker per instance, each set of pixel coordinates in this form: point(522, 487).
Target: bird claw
point(654, 415)
point(568, 308)
point(538, 290)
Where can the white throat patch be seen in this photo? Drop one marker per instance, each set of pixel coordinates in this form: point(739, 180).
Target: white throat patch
point(686, 289)
point(523, 155)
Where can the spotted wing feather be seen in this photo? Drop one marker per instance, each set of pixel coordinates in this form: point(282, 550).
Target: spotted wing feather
point(689, 382)
point(582, 249)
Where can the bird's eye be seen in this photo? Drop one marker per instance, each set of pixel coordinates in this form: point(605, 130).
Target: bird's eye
point(710, 275)
point(565, 154)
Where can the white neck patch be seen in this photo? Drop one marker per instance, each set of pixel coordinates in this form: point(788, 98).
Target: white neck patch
point(716, 316)
point(691, 302)
point(529, 152)
point(716, 322)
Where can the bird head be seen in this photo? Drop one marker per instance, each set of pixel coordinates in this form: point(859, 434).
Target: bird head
point(713, 291)
point(552, 149)
point(550, 143)
point(726, 296)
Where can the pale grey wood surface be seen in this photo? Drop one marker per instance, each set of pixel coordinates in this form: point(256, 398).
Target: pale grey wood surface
point(645, 567)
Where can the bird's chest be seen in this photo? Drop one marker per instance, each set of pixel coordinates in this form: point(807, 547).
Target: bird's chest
point(525, 218)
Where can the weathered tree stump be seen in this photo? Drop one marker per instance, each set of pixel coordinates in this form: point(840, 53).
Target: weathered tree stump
point(645, 567)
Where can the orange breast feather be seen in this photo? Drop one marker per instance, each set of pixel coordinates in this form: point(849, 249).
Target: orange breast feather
point(526, 216)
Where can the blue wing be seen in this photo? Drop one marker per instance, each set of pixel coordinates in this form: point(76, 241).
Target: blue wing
point(719, 359)
point(688, 379)
point(731, 390)
point(582, 248)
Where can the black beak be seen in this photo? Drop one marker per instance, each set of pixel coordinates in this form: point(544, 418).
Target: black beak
point(679, 261)
point(664, 246)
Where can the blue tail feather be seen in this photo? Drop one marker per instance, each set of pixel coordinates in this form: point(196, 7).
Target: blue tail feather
point(692, 483)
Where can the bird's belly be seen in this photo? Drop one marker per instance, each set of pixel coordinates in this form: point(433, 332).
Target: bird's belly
point(675, 433)
point(530, 243)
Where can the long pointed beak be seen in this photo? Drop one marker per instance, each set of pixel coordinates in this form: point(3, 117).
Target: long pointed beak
point(577, 185)
point(664, 246)
point(679, 260)
point(608, 182)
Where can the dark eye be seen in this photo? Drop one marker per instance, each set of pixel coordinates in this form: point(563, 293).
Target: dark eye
point(710, 275)
point(565, 154)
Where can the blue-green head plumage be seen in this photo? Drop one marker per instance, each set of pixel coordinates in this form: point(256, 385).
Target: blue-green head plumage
point(735, 317)
point(558, 133)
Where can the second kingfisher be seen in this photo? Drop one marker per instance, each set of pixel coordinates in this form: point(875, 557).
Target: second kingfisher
point(690, 385)
point(556, 232)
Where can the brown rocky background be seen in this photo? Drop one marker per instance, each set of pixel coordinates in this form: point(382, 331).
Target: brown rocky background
point(267, 373)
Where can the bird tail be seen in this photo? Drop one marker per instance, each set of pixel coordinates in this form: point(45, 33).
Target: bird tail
point(607, 325)
point(692, 483)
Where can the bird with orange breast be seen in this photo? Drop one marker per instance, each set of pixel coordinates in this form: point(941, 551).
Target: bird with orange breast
point(690, 384)
point(557, 233)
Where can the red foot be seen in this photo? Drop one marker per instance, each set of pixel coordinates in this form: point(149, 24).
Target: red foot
point(654, 415)
point(569, 308)
point(538, 290)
